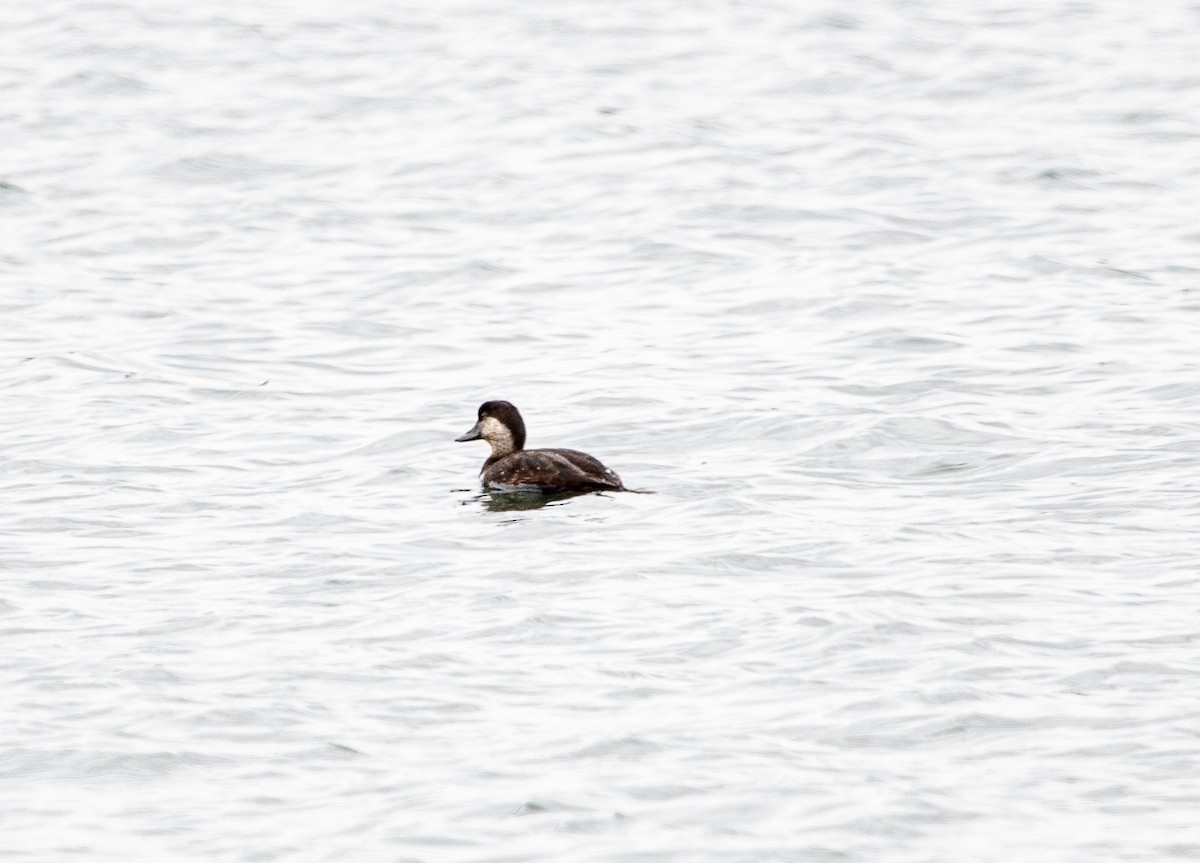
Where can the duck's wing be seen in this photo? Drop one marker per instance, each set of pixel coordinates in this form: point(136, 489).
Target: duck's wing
point(590, 466)
point(552, 469)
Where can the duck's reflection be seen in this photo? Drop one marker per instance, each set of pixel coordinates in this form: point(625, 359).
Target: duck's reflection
point(510, 501)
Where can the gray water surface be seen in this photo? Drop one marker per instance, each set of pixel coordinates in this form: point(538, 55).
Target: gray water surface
point(893, 304)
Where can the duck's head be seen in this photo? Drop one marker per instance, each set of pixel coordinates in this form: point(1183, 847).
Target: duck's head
point(499, 424)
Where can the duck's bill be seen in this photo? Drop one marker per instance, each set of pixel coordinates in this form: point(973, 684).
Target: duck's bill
point(473, 434)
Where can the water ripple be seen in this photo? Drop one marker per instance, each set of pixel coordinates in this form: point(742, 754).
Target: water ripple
point(894, 312)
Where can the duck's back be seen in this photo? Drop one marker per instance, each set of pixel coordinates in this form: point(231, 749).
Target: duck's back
point(551, 470)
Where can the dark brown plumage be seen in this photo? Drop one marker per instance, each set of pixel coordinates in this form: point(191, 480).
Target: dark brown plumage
point(550, 470)
point(511, 467)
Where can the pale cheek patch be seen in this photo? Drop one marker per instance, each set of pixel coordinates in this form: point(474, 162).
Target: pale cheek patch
point(497, 434)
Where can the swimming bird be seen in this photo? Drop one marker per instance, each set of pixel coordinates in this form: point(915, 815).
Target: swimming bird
point(511, 467)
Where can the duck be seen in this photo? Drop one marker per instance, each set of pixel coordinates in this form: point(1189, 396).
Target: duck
point(511, 467)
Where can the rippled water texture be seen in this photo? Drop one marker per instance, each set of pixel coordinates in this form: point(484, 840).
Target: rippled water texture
point(894, 305)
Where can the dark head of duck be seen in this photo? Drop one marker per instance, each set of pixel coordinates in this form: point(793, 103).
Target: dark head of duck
point(499, 424)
